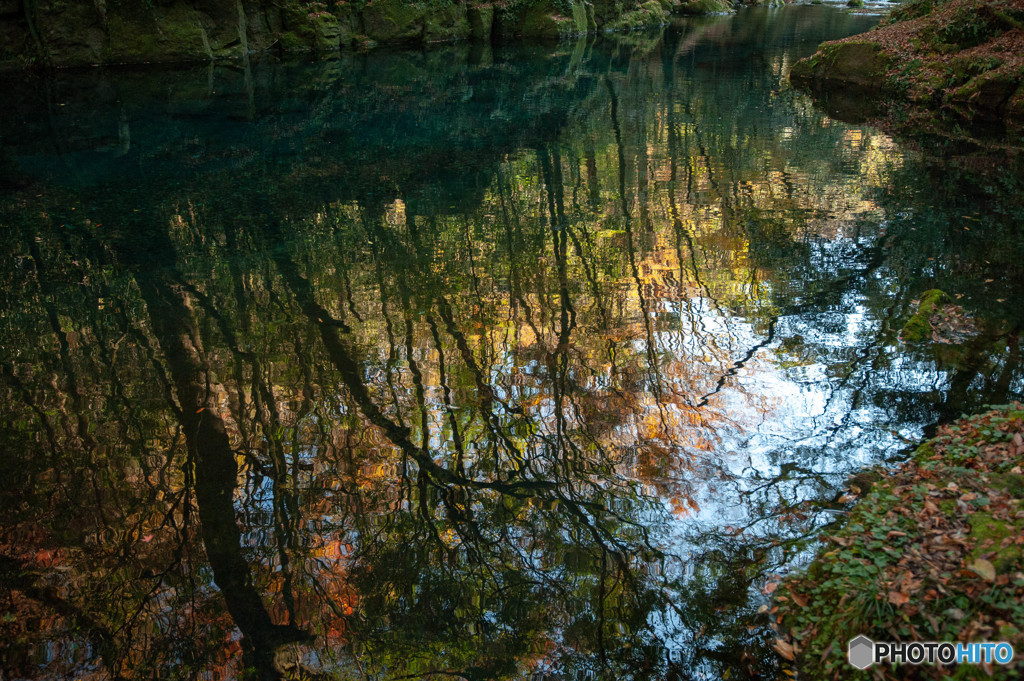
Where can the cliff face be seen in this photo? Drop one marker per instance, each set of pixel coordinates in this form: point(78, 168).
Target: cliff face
point(86, 32)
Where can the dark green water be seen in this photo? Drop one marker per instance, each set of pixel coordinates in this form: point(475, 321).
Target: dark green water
point(493, 364)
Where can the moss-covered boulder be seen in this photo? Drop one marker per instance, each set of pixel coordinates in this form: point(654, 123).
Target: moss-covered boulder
point(919, 327)
point(861, 63)
point(77, 33)
point(544, 20)
point(446, 23)
point(393, 21)
point(650, 13)
point(988, 91)
point(174, 33)
point(327, 33)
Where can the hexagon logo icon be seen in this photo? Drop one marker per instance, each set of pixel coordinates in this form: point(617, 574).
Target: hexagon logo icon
point(861, 652)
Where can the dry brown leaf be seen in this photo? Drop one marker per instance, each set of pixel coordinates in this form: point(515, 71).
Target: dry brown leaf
point(898, 598)
point(784, 649)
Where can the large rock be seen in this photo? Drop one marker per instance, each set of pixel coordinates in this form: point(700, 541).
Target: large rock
point(446, 24)
point(76, 36)
point(858, 63)
point(540, 19)
point(393, 21)
point(650, 13)
point(163, 34)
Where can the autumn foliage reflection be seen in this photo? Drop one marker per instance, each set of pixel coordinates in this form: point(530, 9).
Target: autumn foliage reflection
point(378, 433)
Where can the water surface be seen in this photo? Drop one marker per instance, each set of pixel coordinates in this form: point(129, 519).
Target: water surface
point(470, 363)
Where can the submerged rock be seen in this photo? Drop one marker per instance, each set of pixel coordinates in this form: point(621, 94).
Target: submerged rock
point(919, 328)
point(938, 320)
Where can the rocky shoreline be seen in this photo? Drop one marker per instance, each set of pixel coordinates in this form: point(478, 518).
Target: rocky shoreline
point(68, 33)
point(929, 67)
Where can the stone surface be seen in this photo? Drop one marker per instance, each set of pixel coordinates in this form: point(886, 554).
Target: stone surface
point(393, 21)
point(446, 24)
point(853, 63)
point(650, 13)
point(84, 32)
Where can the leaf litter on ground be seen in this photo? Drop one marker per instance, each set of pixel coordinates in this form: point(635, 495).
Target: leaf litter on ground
point(932, 552)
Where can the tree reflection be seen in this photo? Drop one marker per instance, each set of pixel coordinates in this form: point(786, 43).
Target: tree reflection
point(559, 410)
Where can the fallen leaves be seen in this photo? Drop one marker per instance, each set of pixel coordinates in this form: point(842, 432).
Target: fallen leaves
point(799, 598)
point(951, 325)
point(933, 550)
point(898, 598)
point(785, 649)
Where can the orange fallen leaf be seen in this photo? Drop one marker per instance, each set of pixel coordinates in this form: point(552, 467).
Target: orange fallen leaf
point(898, 598)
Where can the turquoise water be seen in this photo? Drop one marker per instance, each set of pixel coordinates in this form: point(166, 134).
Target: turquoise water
point(482, 363)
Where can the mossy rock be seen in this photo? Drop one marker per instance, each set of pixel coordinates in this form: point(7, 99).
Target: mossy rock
point(295, 41)
point(326, 33)
point(918, 328)
point(651, 13)
point(579, 18)
point(394, 21)
point(698, 7)
point(164, 34)
point(446, 24)
point(297, 33)
point(856, 4)
point(988, 91)
point(1015, 104)
point(859, 63)
point(542, 20)
point(72, 36)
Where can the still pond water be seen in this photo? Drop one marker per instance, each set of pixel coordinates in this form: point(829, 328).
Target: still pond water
point(484, 363)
